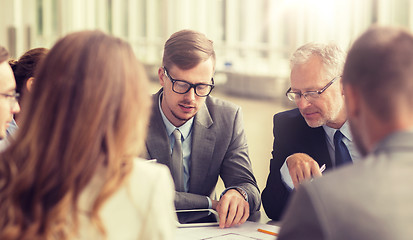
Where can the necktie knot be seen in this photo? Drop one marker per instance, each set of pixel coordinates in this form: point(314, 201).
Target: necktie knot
point(338, 137)
point(177, 135)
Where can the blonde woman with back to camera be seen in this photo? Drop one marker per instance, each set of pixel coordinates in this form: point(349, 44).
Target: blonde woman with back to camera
point(71, 172)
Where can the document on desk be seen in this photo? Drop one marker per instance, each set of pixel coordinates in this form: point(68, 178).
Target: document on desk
point(246, 231)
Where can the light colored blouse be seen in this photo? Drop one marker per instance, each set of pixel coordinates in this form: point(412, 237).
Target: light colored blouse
point(143, 208)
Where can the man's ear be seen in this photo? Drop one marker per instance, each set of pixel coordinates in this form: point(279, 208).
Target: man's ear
point(161, 76)
point(352, 98)
point(29, 83)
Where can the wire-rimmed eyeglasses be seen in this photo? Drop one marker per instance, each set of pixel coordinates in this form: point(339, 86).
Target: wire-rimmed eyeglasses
point(13, 98)
point(309, 95)
point(182, 87)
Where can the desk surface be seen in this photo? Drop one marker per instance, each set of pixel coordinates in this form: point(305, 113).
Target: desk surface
point(247, 231)
point(261, 217)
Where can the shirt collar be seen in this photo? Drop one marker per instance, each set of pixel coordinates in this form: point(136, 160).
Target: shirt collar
point(185, 129)
point(345, 130)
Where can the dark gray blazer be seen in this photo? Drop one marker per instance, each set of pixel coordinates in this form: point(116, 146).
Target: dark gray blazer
point(219, 148)
point(372, 199)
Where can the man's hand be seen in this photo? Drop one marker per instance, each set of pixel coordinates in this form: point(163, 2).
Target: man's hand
point(232, 209)
point(302, 167)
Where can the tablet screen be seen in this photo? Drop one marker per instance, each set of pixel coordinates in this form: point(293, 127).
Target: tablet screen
point(197, 217)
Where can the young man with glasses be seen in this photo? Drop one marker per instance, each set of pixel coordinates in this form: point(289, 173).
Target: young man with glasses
point(8, 96)
point(315, 134)
point(199, 137)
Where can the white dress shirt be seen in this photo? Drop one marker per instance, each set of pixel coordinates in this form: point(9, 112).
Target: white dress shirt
point(348, 141)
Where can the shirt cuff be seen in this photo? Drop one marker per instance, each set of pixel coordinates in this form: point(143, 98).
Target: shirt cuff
point(286, 177)
point(209, 202)
point(239, 189)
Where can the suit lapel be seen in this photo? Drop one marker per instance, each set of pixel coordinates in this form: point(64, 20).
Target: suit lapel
point(203, 143)
point(157, 142)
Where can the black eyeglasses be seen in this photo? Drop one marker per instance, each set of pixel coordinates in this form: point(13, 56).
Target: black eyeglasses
point(309, 95)
point(12, 98)
point(182, 87)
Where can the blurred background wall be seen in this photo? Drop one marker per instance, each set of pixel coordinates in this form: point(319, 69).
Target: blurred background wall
point(252, 37)
point(253, 40)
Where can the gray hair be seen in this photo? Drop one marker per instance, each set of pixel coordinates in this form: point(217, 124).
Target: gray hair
point(331, 55)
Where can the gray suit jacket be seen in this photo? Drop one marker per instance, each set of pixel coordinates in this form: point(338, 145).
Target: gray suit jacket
point(219, 148)
point(369, 200)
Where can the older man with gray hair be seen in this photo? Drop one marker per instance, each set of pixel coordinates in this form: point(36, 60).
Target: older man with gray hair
point(373, 200)
point(315, 135)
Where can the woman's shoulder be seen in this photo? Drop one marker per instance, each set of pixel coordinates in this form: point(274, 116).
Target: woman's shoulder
point(148, 169)
point(149, 180)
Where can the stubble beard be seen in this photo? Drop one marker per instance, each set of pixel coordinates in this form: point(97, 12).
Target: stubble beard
point(325, 118)
point(178, 117)
point(356, 134)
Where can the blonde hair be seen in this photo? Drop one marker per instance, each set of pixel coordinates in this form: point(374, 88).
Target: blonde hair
point(91, 111)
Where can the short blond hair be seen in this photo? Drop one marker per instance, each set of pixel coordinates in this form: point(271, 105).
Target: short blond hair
point(186, 49)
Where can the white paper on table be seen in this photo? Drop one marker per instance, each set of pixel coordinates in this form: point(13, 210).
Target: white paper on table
point(247, 231)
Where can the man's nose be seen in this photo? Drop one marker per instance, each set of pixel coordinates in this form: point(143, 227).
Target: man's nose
point(302, 102)
point(190, 95)
point(16, 108)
